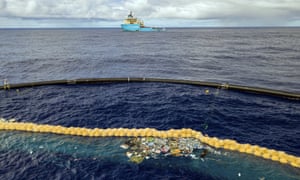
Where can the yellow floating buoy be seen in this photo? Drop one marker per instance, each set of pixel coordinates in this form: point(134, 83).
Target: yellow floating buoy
point(283, 160)
point(206, 91)
point(257, 152)
point(249, 150)
point(228, 144)
point(266, 155)
point(275, 158)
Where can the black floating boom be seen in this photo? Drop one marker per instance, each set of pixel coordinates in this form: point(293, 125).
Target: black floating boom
point(257, 90)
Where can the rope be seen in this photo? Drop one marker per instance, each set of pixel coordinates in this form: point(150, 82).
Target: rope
point(278, 93)
point(227, 144)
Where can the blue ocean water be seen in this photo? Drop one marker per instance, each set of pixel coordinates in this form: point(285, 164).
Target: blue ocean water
point(263, 57)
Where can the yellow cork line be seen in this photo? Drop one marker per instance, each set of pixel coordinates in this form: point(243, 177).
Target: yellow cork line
point(227, 144)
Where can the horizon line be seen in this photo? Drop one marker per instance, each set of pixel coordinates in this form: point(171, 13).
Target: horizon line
point(170, 27)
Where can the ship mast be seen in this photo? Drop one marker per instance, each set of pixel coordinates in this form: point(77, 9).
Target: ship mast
point(130, 15)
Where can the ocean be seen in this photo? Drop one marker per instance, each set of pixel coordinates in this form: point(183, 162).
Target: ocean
point(256, 57)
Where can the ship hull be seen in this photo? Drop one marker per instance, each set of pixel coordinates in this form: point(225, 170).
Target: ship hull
point(130, 27)
point(137, 27)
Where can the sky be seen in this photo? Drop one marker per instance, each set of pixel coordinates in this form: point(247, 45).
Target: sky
point(164, 13)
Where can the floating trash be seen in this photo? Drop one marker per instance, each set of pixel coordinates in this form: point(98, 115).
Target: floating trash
point(137, 159)
point(140, 149)
point(124, 146)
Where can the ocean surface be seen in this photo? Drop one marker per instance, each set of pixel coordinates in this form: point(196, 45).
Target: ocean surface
point(260, 57)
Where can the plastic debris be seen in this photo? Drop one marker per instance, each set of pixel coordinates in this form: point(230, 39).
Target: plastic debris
point(139, 149)
point(12, 120)
point(124, 146)
point(137, 159)
point(204, 153)
point(7, 120)
point(128, 154)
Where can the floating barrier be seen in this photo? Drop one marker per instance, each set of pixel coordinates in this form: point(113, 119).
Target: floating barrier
point(6, 84)
point(227, 144)
point(277, 93)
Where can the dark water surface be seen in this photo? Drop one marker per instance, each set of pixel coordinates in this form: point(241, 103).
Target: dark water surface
point(255, 57)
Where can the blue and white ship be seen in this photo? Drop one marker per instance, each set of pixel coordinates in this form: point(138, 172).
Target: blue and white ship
point(134, 24)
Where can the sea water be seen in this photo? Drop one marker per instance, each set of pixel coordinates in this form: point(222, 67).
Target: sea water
point(263, 57)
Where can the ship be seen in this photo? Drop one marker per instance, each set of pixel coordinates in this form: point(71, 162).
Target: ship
point(134, 24)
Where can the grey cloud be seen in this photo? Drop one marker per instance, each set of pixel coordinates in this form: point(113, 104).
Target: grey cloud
point(227, 11)
point(2, 4)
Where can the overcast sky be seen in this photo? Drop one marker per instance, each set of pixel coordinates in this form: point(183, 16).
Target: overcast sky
point(166, 13)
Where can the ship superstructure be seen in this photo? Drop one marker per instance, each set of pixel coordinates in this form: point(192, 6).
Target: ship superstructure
point(132, 23)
